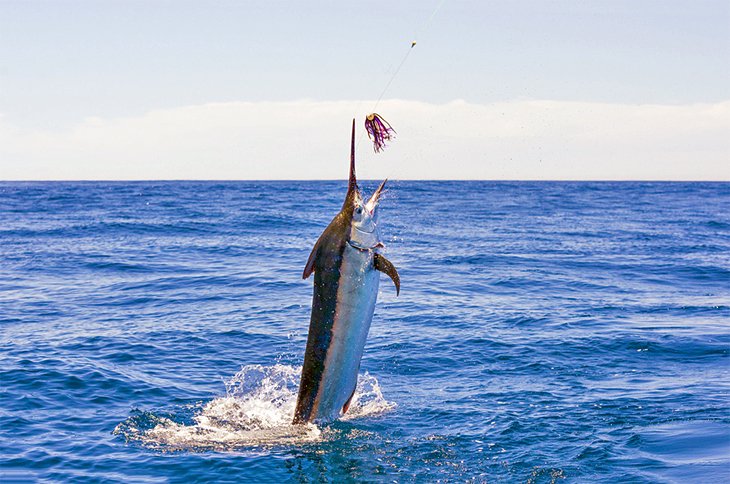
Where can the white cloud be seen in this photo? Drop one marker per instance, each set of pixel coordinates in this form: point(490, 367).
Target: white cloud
point(521, 139)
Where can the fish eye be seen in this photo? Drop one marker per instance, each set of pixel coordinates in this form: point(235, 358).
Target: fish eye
point(358, 210)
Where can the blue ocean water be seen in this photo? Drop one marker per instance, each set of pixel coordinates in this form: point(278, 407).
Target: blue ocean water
point(545, 332)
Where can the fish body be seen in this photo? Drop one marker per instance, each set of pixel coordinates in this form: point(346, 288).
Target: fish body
point(346, 262)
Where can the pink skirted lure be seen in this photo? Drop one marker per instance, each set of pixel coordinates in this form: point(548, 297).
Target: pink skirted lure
point(379, 131)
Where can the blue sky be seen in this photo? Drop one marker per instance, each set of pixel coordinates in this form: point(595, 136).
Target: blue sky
point(83, 79)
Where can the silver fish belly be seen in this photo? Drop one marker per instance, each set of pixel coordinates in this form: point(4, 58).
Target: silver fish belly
point(356, 297)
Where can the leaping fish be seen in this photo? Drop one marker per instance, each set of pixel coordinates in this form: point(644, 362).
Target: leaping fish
point(346, 262)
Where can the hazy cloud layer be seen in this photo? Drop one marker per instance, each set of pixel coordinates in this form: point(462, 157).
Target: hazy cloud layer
point(521, 139)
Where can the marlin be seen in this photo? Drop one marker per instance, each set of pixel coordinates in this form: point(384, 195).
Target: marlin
point(346, 262)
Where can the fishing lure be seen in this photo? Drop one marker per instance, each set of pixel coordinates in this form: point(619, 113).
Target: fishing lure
point(379, 131)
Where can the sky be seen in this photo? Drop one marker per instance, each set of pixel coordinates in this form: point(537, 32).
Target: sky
point(518, 90)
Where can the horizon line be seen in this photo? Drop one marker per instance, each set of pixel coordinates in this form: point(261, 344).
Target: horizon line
point(391, 180)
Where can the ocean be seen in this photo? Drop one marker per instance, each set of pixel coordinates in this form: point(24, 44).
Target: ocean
point(545, 332)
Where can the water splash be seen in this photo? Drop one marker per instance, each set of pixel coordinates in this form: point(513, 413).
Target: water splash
point(256, 411)
point(368, 399)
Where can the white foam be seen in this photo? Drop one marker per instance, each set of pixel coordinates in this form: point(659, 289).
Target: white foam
point(257, 411)
point(368, 399)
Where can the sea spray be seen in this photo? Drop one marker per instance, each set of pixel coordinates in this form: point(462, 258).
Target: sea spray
point(256, 411)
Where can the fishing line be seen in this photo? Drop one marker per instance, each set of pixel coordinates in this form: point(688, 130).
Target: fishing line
point(397, 70)
point(408, 52)
point(377, 128)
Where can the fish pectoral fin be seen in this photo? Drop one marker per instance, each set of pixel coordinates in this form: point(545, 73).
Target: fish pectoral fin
point(346, 406)
point(384, 265)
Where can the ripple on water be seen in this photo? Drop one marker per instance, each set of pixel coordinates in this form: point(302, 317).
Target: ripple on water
point(543, 330)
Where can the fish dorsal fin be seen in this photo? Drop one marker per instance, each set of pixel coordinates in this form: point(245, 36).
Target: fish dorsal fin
point(384, 265)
